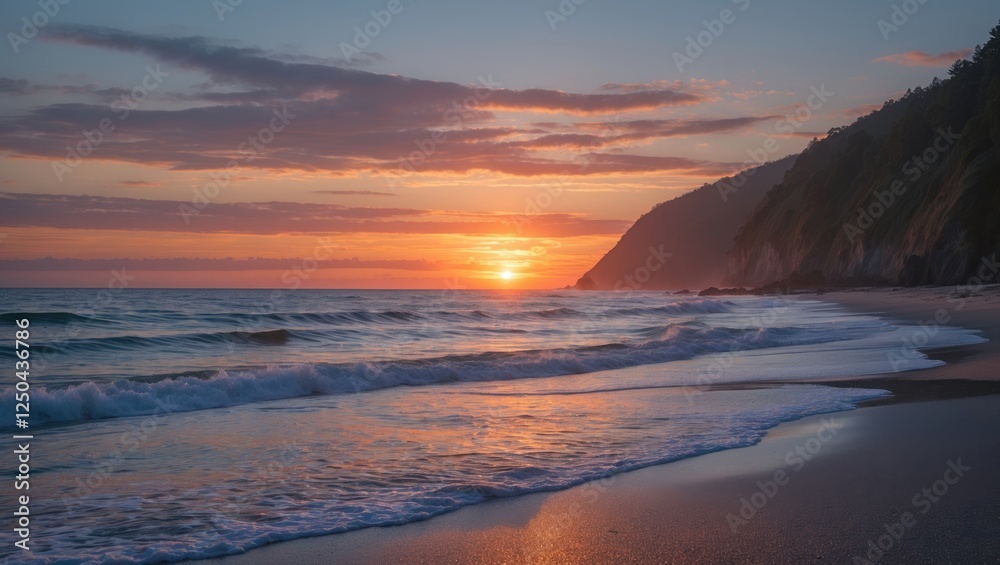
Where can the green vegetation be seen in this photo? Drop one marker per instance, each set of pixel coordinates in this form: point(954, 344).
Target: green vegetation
point(907, 194)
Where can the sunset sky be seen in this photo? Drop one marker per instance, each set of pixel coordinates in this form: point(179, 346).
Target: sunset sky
point(459, 141)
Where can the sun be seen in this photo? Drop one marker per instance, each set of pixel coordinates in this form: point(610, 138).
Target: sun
point(506, 275)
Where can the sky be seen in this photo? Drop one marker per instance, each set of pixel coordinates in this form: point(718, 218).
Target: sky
point(411, 143)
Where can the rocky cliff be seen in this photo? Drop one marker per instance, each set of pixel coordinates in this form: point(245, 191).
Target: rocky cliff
point(907, 195)
point(682, 243)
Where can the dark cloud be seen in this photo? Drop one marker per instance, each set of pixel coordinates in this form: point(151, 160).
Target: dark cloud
point(12, 86)
point(611, 133)
point(564, 140)
point(671, 128)
point(358, 60)
point(139, 184)
point(346, 121)
point(206, 264)
point(268, 218)
point(22, 87)
point(354, 192)
point(251, 66)
point(323, 136)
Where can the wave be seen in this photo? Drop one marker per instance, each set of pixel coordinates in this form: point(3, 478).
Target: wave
point(400, 489)
point(54, 318)
point(700, 306)
point(553, 313)
point(364, 317)
point(133, 397)
point(266, 338)
point(465, 330)
point(280, 328)
point(328, 318)
point(129, 342)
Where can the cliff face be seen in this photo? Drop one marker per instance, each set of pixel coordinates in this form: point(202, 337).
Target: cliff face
point(907, 195)
point(682, 243)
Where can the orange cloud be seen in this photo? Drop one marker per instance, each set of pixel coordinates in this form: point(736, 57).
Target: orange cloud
point(139, 184)
point(921, 59)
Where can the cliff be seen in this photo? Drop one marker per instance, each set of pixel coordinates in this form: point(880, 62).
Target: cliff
point(907, 195)
point(682, 243)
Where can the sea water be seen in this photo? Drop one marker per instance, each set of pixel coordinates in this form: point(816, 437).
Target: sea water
point(178, 424)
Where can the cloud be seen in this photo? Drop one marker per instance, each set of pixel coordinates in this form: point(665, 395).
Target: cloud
point(671, 128)
point(354, 192)
point(253, 67)
point(208, 264)
point(630, 131)
point(921, 59)
point(358, 60)
point(564, 140)
point(22, 87)
point(139, 184)
point(323, 136)
point(346, 121)
point(691, 85)
point(12, 86)
point(746, 94)
point(269, 218)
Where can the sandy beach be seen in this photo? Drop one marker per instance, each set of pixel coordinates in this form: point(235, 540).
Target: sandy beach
point(926, 306)
point(910, 479)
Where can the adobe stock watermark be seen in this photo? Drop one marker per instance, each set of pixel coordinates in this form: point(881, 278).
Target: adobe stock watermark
point(249, 150)
point(913, 170)
point(293, 278)
point(30, 25)
point(791, 123)
point(267, 475)
point(563, 523)
point(899, 15)
point(534, 207)
point(372, 376)
point(121, 107)
point(726, 360)
point(223, 7)
point(365, 34)
point(923, 501)
point(795, 461)
point(453, 117)
point(655, 261)
point(714, 28)
point(562, 13)
point(128, 442)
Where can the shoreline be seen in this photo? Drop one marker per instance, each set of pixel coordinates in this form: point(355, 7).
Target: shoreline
point(868, 477)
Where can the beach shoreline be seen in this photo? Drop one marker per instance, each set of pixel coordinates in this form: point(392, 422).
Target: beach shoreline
point(864, 482)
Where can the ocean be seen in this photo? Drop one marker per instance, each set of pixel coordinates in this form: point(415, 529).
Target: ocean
point(181, 424)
